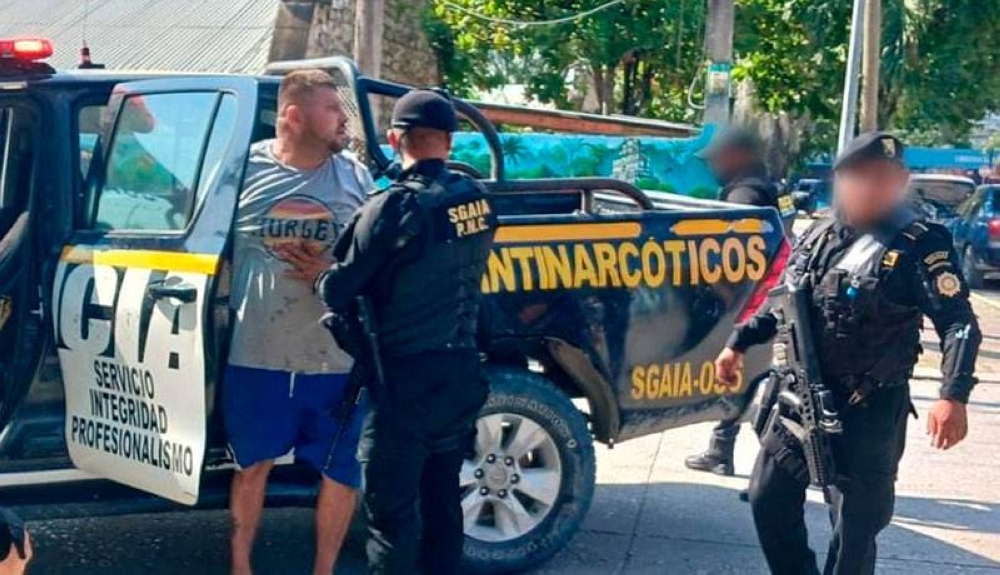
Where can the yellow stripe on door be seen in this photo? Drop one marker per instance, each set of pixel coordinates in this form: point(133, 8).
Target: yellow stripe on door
point(568, 232)
point(712, 227)
point(149, 259)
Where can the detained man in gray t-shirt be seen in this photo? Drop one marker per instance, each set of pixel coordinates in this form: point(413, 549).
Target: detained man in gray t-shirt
point(285, 375)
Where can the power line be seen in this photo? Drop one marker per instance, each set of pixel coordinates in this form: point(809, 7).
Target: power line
point(525, 23)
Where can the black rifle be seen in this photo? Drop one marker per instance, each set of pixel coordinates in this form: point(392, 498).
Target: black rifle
point(802, 393)
point(357, 336)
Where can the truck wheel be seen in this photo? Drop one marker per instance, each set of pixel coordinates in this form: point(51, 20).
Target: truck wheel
point(531, 481)
point(973, 275)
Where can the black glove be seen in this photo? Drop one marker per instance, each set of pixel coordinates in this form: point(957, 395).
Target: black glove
point(11, 531)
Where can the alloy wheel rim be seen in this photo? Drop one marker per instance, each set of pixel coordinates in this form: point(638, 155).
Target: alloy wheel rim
point(512, 482)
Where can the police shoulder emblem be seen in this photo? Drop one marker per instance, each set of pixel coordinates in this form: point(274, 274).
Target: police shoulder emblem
point(889, 147)
point(948, 284)
point(891, 259)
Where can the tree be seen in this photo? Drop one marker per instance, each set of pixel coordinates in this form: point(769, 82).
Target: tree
point(940, 65)
point(943, 66)
point(637, 57)
point(940, 62)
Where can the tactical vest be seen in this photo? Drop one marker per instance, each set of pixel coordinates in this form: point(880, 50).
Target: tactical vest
point(428, 299)
point(862, 338)
point(767, 188)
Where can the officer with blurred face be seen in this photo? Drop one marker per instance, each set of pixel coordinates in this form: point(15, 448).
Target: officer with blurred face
point(418, 249)
point(873, 270)
point(735, 158)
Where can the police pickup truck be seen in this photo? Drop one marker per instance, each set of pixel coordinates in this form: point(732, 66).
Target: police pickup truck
point(605, 306)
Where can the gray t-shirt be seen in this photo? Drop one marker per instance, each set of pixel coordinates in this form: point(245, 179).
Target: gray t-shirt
point(276, 322)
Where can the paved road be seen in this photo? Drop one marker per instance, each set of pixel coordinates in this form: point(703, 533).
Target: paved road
point(650, 515)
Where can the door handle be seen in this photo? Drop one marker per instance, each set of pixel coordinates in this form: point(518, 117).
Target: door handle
point(183, 292)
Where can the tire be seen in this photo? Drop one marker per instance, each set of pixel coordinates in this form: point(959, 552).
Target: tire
point(498, 538)
point(973, 275)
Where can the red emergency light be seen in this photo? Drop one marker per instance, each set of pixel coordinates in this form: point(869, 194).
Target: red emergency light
point(27, 49)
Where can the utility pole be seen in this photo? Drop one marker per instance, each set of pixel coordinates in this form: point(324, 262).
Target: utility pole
point(719, 47)
point(849, 105)
point(870, 69)
point(368, 29)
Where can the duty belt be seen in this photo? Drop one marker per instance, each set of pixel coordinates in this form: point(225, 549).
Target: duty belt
point(861, 386)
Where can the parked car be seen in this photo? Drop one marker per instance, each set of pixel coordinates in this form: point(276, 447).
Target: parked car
point(976, 228)
point(938, 195)
point(811, 195)
point(117, 198)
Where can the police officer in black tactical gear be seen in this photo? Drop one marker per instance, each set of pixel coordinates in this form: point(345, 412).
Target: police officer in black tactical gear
point(418, 249)
point(735, 158)
point(873, 270)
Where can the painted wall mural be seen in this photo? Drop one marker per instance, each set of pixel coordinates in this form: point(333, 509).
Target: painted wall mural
point(649, 163)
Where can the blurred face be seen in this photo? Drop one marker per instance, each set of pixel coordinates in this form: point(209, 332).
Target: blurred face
point(868, 192)
point(728, 163)
point(319, 119)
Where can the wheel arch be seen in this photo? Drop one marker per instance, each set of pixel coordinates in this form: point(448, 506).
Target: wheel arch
point(577, 371)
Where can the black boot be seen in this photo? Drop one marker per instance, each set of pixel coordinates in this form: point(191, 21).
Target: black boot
point(718, 458)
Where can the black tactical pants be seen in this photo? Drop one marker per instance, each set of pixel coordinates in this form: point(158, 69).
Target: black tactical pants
point(726, 431)
point(414, 442)
point(867, 455)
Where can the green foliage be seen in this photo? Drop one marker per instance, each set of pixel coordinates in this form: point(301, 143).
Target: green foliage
point(943, 66)
point(640, 56)
point(794, 51)
point(940, 58)
point(940, 63)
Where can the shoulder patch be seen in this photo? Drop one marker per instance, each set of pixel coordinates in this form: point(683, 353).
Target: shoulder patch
point(936, 257)
point(915, 230)
point(890, 259)
point(947, 284)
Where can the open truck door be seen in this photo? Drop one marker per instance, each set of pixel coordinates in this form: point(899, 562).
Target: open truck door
point(134, 289)
point(20, 312)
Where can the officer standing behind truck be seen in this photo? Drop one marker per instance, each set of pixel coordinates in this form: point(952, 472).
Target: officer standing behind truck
point(735, 158)
point(871, 272)
point(418, 250)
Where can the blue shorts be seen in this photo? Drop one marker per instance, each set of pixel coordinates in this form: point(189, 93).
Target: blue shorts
point(267, 413)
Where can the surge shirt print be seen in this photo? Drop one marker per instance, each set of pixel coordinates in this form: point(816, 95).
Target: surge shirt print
point(276, 324)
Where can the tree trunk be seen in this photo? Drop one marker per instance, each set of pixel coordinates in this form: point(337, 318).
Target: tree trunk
point(628, 86)
point(604, 87)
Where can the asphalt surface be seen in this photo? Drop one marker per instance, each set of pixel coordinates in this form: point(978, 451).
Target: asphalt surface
point(650, 514)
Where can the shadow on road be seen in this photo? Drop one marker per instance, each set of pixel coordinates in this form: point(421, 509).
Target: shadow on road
point(689, 528)
point(952, 514)
point(640, 529)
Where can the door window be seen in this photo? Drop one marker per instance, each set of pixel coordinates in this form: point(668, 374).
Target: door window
point(971, 206)
point(16, 147)
point(89, 121)
point(6, 125)
point(165, 151)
